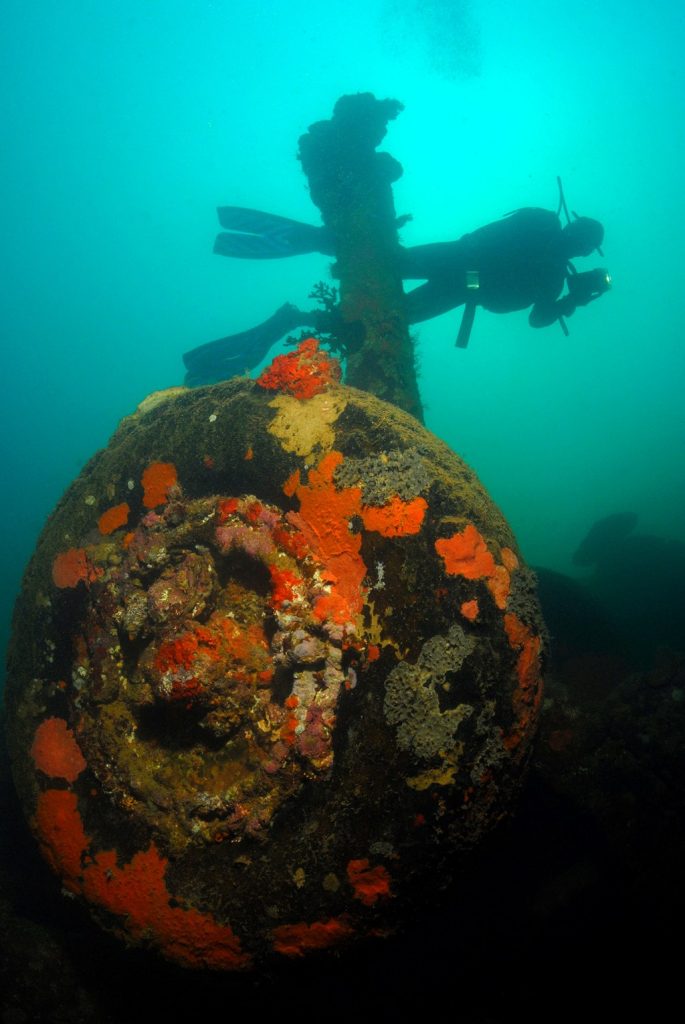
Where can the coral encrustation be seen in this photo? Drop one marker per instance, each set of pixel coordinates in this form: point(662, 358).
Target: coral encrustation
point(226, 665)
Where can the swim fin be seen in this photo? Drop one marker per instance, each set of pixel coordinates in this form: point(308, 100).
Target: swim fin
point(237, 353)
point(266, 236)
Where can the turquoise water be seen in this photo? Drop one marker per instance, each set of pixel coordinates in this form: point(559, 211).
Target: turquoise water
point(126, 124)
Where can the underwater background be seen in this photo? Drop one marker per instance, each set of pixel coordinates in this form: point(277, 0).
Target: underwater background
point(126, 124)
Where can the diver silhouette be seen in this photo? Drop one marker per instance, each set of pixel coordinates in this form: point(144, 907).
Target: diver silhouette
point(522, 260)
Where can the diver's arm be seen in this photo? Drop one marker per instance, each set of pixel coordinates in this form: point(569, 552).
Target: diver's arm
point(582, 289)
point(545, 313)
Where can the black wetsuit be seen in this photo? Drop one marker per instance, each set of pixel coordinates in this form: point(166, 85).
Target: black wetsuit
point(513, 263)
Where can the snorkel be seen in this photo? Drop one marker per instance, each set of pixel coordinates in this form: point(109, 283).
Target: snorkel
point(584, 235)
point(562, 206)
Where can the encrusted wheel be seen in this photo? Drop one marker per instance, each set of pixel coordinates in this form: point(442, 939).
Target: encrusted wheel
point(275, 663)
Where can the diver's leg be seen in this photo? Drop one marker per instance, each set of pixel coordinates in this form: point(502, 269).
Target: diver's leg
point(237, 353)
point(262, 236)
point(437, 260)
point(433, 299)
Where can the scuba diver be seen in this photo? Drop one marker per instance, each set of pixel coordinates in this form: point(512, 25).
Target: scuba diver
point(522, 260)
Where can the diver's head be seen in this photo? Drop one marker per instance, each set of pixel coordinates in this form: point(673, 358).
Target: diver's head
point(583, 235)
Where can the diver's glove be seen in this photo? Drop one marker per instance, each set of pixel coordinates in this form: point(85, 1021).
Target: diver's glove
point(566, 306)
point(585, 287)
point(582, 288)
point(543, 314)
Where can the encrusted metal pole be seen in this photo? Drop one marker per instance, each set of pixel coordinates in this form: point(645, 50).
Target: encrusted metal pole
point(352, 186)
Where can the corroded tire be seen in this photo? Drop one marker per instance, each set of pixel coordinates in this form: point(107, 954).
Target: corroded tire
point(274, 665)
